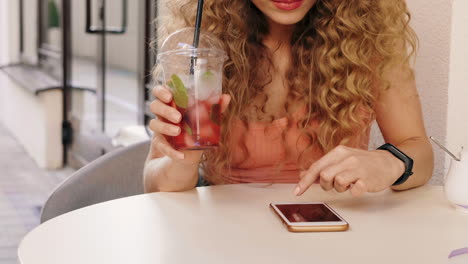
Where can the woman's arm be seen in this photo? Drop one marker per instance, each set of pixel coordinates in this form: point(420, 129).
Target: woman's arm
point(398, 113)
point(165, 174)
point(400, 119)
point(167, 169)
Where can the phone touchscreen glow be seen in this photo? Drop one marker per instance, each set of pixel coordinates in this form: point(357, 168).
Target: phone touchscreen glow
point(299, 213)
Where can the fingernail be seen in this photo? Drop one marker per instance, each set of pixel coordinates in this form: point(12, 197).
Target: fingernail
point(176, 117)
point(176, 131)
point(297, 190)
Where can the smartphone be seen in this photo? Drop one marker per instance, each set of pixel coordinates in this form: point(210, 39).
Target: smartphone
point(309, 217)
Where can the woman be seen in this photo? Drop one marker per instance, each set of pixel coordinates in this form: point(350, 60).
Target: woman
point(304, 81)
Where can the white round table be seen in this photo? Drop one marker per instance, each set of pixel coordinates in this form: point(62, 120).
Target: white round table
point(233, 224)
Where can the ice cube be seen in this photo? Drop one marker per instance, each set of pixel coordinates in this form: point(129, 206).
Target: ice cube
point(207, 84)
point(187, 80)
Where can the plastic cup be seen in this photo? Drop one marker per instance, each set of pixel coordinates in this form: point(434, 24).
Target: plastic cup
point(195, 77)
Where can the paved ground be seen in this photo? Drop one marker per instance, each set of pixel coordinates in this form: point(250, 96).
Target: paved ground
point(23, 189)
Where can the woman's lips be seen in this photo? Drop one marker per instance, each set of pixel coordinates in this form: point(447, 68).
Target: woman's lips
point(287, 5)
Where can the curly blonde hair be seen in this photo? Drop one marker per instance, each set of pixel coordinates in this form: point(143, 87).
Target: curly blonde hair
point(341, 52)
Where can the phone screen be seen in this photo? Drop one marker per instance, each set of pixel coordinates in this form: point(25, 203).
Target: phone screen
point(307, 213)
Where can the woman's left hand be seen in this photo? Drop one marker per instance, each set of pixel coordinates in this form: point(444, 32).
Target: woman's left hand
point(358, 170)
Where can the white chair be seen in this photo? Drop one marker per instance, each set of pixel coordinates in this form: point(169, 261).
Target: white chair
point(115, 175)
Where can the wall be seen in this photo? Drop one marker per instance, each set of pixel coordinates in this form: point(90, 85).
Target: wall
point(35, 121)
point(3, 32)
point(3, 45)
point(122, 50)
point(30, 32)
point(457, 123)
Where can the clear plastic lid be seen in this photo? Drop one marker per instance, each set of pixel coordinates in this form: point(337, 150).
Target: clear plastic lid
point(180, 43)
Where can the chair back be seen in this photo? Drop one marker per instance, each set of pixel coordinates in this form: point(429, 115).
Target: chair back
point(115, 175)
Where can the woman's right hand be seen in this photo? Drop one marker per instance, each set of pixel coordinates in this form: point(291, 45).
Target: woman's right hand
point(163, 111)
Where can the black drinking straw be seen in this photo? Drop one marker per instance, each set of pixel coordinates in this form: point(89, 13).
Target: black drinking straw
point(198, 20)
point(196, 35)
point(193, 61)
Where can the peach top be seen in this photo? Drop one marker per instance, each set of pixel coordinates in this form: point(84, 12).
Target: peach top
point(262, 154)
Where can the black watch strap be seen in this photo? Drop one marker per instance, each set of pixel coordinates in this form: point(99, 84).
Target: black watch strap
point(403, 157)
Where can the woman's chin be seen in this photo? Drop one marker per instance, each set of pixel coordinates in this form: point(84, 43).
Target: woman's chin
point(286, 19)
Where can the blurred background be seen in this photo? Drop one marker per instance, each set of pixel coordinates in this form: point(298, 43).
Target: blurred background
point(77, 73)
point(75, 76)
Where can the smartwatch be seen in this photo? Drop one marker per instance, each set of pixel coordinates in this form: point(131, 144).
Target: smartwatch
point(403, 157)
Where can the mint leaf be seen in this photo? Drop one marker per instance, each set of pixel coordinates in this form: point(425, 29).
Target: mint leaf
point(188, 129)
point(207, 75)
point(179, 91)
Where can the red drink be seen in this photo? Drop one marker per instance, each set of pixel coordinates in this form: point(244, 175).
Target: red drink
point(200, 126)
